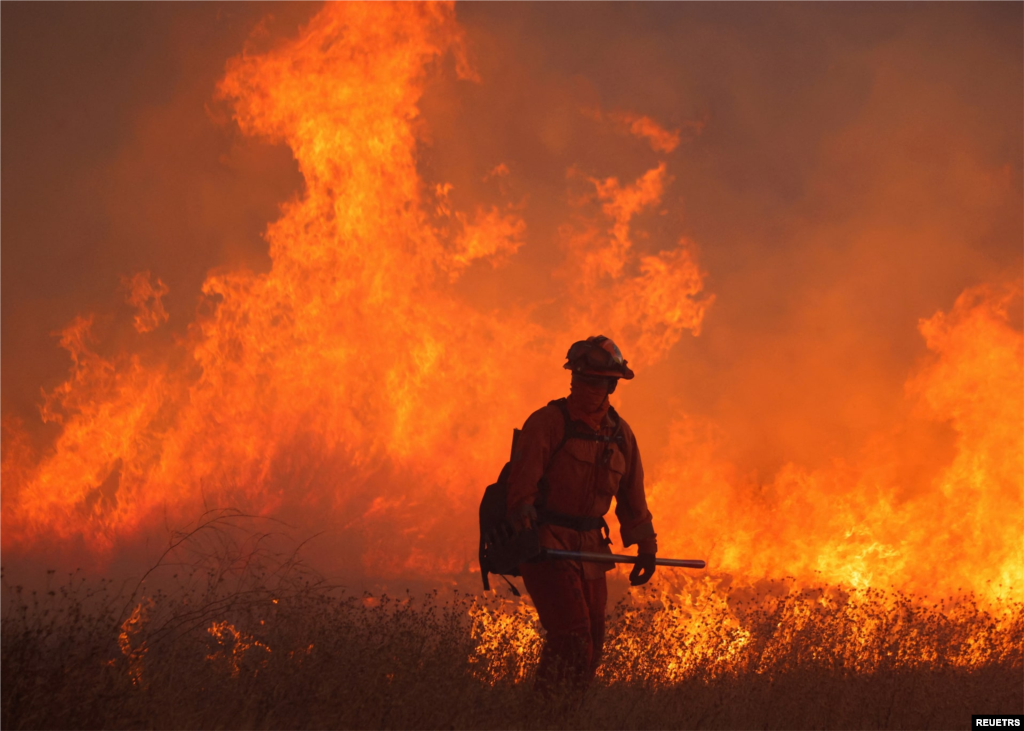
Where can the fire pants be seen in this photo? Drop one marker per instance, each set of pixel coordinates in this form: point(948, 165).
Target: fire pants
point(571, 610)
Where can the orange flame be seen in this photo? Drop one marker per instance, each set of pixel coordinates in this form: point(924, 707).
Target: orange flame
point(353, 354)
point(869, 524)
point(645, 128)
point(233, 646)
point(146, 297)
point(130, 641)
point(356, 384)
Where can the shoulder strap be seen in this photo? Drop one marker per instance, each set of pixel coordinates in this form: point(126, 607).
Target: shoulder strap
point(617, 435)
point(568, 431)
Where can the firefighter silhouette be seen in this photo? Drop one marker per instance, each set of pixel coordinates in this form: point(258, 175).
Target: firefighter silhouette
point(564, 494)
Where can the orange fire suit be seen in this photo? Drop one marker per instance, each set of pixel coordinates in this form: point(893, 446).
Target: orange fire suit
point(582, 479)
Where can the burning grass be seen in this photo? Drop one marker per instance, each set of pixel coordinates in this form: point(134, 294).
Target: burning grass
point(278, 649)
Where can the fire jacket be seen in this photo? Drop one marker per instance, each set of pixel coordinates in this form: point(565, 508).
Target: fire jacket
point(583, 477)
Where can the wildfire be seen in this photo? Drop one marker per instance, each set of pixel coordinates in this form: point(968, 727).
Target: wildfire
point(356, 383)
point(353, 356)
point(131, 641)
point(862, 525)
point(233, 646)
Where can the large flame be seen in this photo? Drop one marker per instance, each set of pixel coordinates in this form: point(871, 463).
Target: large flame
point(356, 386)
point(875, 522)
point(351, 379)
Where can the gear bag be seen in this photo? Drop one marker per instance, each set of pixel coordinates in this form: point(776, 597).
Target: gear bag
point(502, 546)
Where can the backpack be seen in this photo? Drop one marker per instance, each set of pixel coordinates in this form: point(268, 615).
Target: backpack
point(495, 529)
point(502, 546)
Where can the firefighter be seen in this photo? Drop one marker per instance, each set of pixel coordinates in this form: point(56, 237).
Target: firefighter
point(564, 493)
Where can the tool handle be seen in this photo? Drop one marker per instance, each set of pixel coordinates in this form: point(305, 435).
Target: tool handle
point(684, 563)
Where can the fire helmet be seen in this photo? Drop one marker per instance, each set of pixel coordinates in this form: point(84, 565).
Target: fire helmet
point(597, 356)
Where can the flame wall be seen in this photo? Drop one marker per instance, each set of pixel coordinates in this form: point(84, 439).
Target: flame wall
point(802, 225)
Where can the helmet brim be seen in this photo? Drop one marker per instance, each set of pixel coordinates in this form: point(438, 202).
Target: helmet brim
point(626, 372)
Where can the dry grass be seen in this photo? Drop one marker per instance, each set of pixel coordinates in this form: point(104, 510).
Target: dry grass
point(261, 644)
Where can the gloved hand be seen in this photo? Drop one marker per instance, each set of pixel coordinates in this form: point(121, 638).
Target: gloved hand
point(524, 517)
point(643, 569)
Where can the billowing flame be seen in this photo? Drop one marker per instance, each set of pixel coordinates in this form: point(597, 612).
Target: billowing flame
point(351, 378)
point(875, 523)
point(354, 384)
point(146, 297)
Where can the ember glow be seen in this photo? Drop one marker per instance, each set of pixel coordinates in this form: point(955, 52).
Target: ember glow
point(367, 382)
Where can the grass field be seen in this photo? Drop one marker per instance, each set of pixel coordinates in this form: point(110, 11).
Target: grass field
point(224, 649)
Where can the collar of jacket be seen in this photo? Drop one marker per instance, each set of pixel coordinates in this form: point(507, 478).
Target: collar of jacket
point(595, 421)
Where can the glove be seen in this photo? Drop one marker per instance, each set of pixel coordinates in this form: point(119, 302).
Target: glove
point(524, 517)
point(643, 569)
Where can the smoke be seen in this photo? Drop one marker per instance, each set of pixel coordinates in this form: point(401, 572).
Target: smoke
point(855, 172)
point(118, 161)
point(817, 180)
